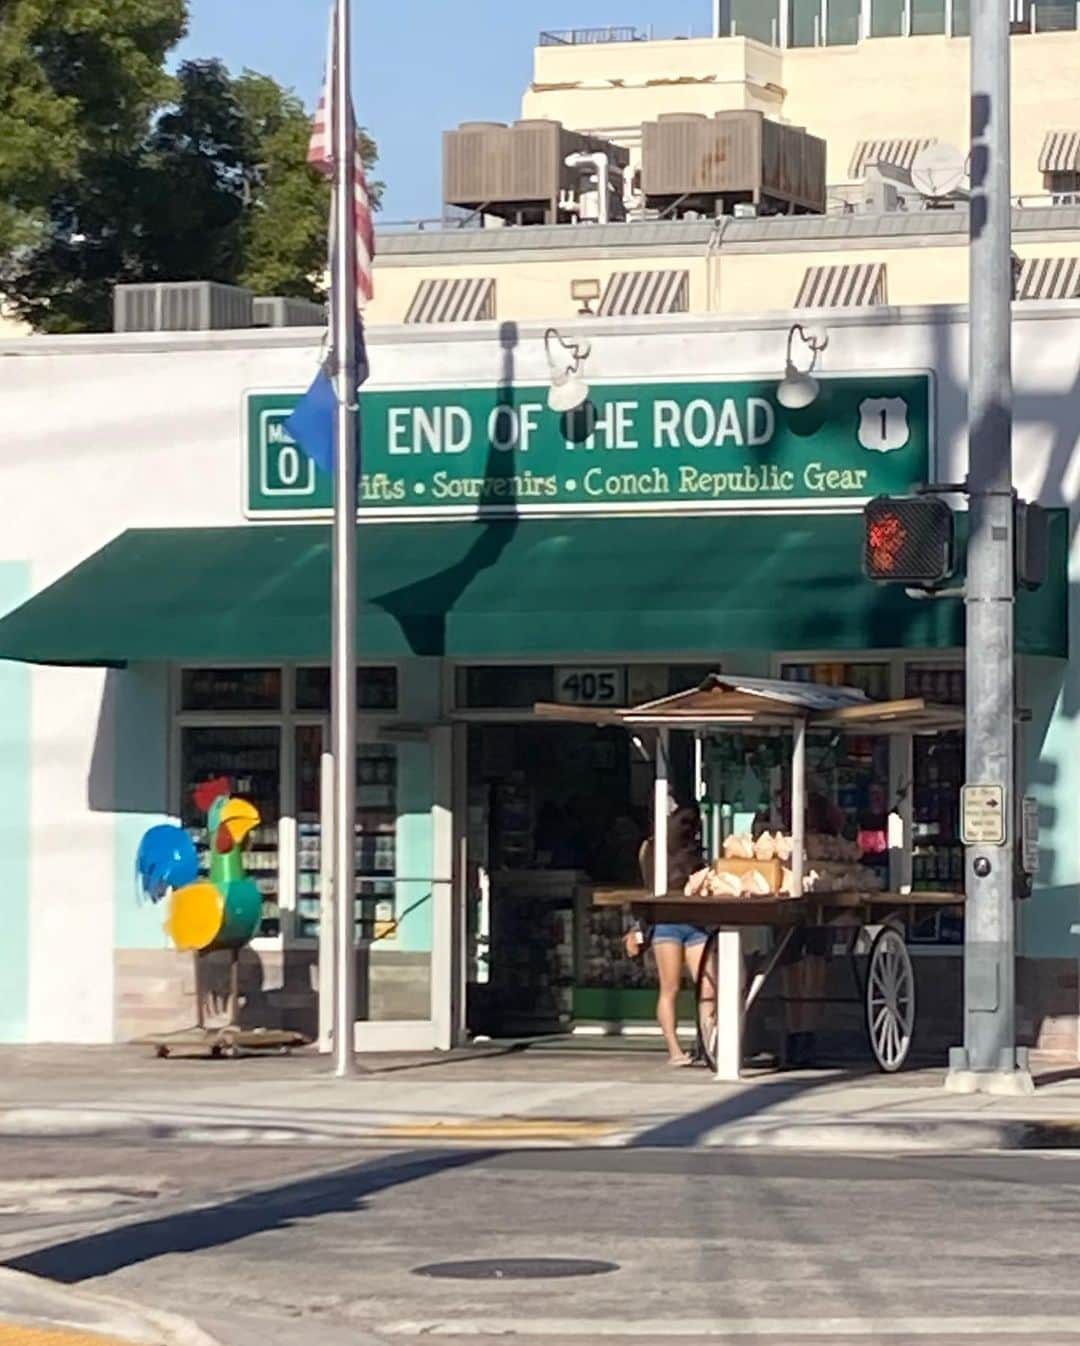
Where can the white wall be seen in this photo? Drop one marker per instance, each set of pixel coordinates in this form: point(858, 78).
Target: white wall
point(105, 434)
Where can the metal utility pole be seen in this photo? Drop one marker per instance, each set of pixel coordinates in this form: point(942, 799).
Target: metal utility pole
point(989, 1059)
point(343, 648)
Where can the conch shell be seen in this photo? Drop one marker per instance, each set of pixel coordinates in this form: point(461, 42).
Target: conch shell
point(739, 847)
point(765, 846)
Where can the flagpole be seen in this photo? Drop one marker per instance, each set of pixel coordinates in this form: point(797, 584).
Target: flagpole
point(343, 656)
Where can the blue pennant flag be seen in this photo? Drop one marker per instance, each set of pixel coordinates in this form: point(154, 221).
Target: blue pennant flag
point(313, 422)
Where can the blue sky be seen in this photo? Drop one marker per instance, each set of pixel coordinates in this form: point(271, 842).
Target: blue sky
point(422, 66)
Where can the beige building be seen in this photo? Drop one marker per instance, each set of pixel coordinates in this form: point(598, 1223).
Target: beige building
point(878, 81)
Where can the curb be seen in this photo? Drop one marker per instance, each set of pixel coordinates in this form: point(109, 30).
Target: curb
point(44, 1303)
point(43, 1124)
point(926, 1134)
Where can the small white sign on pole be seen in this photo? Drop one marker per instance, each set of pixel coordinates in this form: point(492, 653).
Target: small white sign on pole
point(982, 815)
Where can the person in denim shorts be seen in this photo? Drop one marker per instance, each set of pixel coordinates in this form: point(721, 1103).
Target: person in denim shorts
point(676, 944)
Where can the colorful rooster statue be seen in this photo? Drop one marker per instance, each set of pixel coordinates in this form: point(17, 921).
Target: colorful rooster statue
point(219, 912)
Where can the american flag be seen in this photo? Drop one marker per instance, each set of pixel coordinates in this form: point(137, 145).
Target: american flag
point(322, 154)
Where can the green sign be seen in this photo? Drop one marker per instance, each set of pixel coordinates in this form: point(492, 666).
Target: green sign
point(633, 448)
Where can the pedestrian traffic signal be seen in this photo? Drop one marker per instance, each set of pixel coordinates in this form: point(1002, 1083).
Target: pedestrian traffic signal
point(908, 540)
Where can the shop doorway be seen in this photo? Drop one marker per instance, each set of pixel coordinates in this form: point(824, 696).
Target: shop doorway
point(553, 809)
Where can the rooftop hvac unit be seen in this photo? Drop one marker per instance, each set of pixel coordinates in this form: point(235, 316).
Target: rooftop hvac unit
point(519, 173)
point(284, 312)
point(182, 306)
point(713, 164)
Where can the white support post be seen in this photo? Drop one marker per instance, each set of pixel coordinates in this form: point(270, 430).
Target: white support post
point(660, 814)
point(443, 941)
point(327, 924)
point(798, 808)
point(729, 1005)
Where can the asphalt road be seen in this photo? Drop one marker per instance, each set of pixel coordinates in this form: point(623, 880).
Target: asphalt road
point(276, 1246)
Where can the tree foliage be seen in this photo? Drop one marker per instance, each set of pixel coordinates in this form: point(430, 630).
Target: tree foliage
point(199, 177)
point(77, 78)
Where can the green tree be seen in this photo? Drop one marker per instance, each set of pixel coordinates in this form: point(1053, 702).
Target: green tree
point(217, 188)
point(77, 78)
point(170, 207)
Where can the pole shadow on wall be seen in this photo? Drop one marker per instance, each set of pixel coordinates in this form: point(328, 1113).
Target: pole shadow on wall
point(422, 609)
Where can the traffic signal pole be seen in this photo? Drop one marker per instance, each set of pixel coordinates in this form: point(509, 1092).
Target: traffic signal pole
point(989, 1060)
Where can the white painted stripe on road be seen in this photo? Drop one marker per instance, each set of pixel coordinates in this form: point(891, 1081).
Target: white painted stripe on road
point(787, 1328)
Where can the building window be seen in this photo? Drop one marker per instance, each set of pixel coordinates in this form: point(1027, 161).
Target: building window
point(1055, 16)
point(759, 19)
point(842, 23)
point(230, 689)
point(961, 18)
point(1063, 186)
point(887, 18)
point(376, 912)
point(250, 757)
point(376, 688)
point(927, 16)
point(804, 23)
point(456, 299)
point(862, 284)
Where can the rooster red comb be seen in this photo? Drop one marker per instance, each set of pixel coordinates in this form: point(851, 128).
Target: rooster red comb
point(209, 790)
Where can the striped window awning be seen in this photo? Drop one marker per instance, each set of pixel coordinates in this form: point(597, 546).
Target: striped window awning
point(1060, 152)
point(636, 292)
point(458, 300)
point(898, 153)
point(856, 286)
point(1047, 278)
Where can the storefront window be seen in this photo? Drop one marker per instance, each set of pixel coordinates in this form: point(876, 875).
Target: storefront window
point(250, 757)
point(376, 843)
point(230, 689)
point(376, 689)
point(927, 16)
point(504, 687)
point(887, 18)
point(759, 19)
point(938, 775)
point(804, 23)
point(843, 22)
point(873, 679)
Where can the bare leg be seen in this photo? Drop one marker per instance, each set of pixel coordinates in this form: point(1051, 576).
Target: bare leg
point(707, 999)
point(669, 965)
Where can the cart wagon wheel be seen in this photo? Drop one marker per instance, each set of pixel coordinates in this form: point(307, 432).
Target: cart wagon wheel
point(705, 1001)
point(890, 999)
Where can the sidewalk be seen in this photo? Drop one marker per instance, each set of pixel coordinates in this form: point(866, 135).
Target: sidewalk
point(516, 1094)
point(35, 1312)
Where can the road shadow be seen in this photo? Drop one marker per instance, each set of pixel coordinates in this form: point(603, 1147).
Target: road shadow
point(690, 1128)
point(342, 1191)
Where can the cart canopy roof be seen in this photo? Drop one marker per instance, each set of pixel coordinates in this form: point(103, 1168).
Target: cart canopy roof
point(729, 700)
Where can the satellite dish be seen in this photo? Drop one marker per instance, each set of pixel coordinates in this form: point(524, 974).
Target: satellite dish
point(938, 170)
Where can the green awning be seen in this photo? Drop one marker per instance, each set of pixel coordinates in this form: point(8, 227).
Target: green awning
point(574, 586)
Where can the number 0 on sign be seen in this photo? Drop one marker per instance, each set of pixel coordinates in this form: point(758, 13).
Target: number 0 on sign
point(982, 815)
